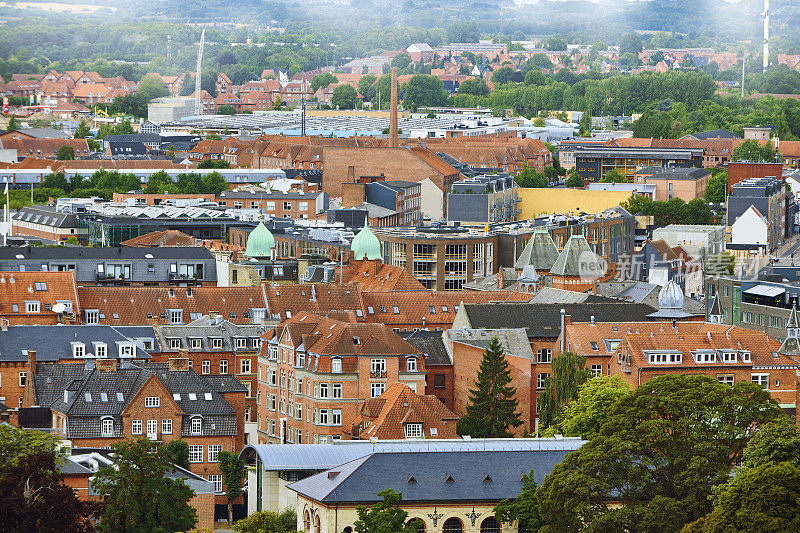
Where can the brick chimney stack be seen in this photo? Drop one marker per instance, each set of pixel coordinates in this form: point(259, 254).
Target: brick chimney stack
point(393, 111)
point(31, 362)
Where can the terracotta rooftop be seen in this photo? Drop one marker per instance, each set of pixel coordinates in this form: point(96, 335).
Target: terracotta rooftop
point(285, 301)
point(374, 276)
point(385, 417)
point(150, 305)
point(161, 238)
point(46, 288)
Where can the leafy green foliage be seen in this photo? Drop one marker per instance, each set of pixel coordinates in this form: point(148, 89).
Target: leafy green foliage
point(502, 75)
point(660, 453)
point(529, 178)
point(344, 97)
point(233, 471)
point(474, 86)
point(524, 509)
point(463, 32)
point(556, 44)
point(423, 90)
point(717, 188)
point(752, 150)
point(596, 398)
point(320, 81)
point(139, 497)
point(226, 109)
point(82, 130)
point(213, 163)
point(674, 211)
point(268, 522)
point(177, 452)
point(383, 517)
point(65, 153)
point(492, 407)
point(569, 373)
point(585, 125)
point(613, 176)
point(574, 180)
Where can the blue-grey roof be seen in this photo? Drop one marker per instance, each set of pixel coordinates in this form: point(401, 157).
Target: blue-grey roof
point(10, 253)
point(324, 456)
point(431, 476)
point(52, 343)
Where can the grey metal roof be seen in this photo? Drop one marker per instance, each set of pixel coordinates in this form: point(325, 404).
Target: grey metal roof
point(324, 456)
point(205, 329)
point(576, 259)
point(52, 343)
point(431, 345)
point(432, 476)
point(550, 295)
point(543, 320)
point(514, 341)
point(46, 217)
point(540, 252)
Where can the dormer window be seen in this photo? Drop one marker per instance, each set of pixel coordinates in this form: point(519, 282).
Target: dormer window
point(336, 365)
point(413, 431)
point(728, 357)
point(411, 364)
point(664, 358)
point(197, 426)
point(78, 349)
point(705, 357)
point(100, 349)
point(125, 349)
point(745, 357)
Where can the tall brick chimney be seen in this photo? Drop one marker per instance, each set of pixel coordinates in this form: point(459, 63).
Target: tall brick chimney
point(31, 362)
point(393, 111)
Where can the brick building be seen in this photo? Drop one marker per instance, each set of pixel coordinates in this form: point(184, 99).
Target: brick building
point(30, 298)
point(294, 204)
point(675, 182)
point(316, 371)
point(104, 402)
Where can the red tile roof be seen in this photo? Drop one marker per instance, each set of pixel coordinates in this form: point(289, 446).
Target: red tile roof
point(318, 299)
point(384, 417)
point(374, 276)
point(47, 288)
point(148, 305)
point(171, 237)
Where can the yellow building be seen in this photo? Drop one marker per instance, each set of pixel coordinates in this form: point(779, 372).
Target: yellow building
point(558, 201)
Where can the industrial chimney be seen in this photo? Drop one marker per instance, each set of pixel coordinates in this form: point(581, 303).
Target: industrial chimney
point(393, 111)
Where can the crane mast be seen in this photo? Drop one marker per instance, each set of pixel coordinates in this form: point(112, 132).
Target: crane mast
point(198, 101)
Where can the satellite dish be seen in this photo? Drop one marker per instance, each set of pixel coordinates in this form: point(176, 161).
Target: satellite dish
point(59, 308)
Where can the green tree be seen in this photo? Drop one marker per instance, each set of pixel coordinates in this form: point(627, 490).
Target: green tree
point(320, 81)
point(556, 44)
point(56, 180)
point(657, 57)
point(232, 468)
point(82, 130)
point(492, 407)
point(585, 125)
point(697, 211)
point(630, 43)
point(660, 454)
point(226, 109)
point(595, 402)
point(423, 90)
point(159, 182)
point(176, 452)
point(560, 388)
point(717, 188)
point(268, 522)
point(214, 183)
point(65, 153)
point(365, 84)
point(474, 86)
point(383, 517)
point(152, 86)
point(574, 180)
point(344, 97)
point(32, 495)
point(213, 163)
point(138, 494)
point(13, 124)
point(401, 61)
point(613, 176)
point(213, 137)
point(463, 32)
point(774, 443)
point(502, 75)
point(540, 61)
point(524, 509)
point(752, 150)
point(530, 179)
point(535, 77)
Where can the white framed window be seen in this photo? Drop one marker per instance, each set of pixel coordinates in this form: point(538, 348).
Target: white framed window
point(101, 350)
point(136, 427)
point(322, 417)
point(541, 379)
point(195, 343)
point(411, 364)
point(244, 366)
point(336, 390)
point(705, 357)
point(166, 426)
point(152, 401)
point(216, 343)
point(378, 367)
point(241, 343)
point(760, 379)
point(92, 316)
point(376, 389)
point(205, 366)
point(78, 349)
point(727, 379)
point(413, 431)
point(728, 357)
point(336, 417)
point(216, 479)
point(197, 426)
point(322, 390)
point(213, 452)
point(32, 307)
point(23, 377)
point(544, 355)
point(174, 344)
point(107, 427)
point(195, 453)
point(126, 350)
point(223, 366)
point(745, 357)
point(336, 365)
point(664, 358)
point(298, 411)
point(175, 316)
point(597, 370)
point(152, 429)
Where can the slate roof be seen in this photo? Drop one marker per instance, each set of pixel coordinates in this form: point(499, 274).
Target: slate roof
point(576, 258)
point(431, 345)
point(43, 216)
point(544, 320)
point(205, 329)
point(52, 343)
point(514, 340)
point(423, 476)
point(540, 252)
point(712, 134)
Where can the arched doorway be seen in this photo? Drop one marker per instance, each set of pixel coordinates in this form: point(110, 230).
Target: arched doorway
point(453, 525)
point(316, 524)
point(306, 522)
point(490, 525)
point(418, 524)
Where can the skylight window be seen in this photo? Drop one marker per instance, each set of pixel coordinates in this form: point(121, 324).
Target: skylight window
point(192, 396)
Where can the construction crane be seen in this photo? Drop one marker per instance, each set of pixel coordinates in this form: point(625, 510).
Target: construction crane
point(766, 34)
point(198, 101)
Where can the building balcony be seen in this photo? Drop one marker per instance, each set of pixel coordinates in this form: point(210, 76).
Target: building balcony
point(377, 374)
point(111, 278)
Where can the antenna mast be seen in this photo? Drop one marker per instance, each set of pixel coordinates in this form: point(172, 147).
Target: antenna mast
point(198, 101)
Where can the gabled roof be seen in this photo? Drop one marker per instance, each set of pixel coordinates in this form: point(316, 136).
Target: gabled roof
point(170, 237)
point(374, 276)
point(317, 299)
point(384, 417)
point(353, 482)
point(54, 343)
point(47, 288)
